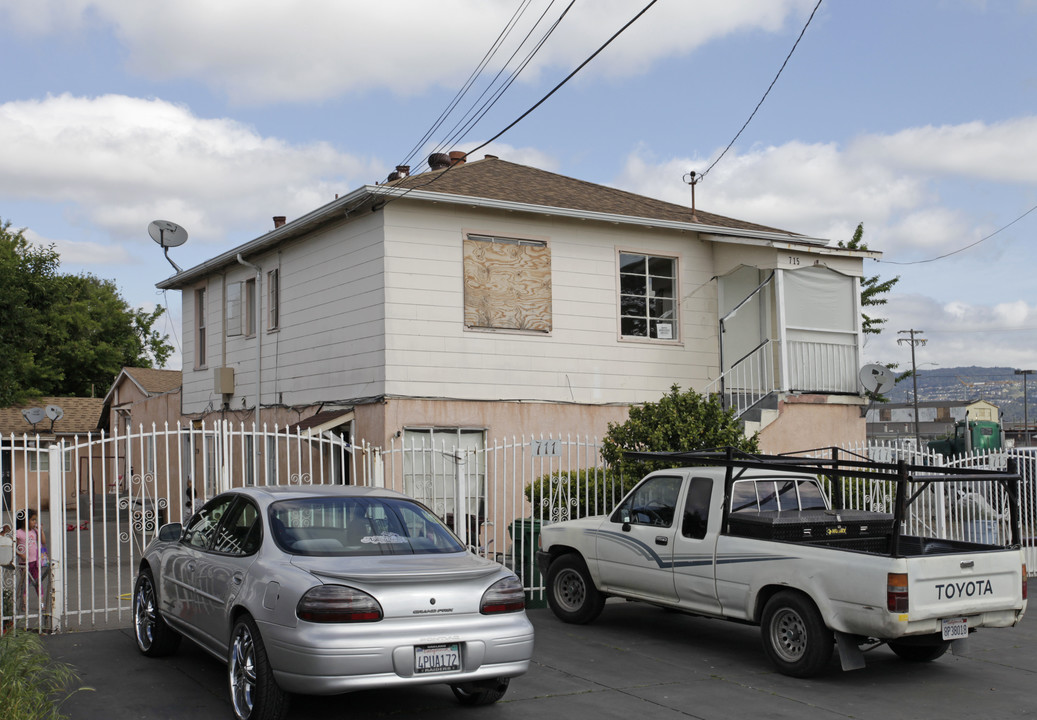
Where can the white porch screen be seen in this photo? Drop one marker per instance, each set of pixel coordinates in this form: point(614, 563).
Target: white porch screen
point(821, 328)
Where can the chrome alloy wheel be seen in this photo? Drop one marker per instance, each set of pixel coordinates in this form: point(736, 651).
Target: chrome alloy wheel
point(788, 635)
point(570, 591)
point(242, 669)
point(144, 616)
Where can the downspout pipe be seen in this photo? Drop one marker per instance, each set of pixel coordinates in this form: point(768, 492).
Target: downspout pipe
point(259, 333)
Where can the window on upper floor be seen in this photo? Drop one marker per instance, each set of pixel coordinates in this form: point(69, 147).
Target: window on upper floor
point(248, 323)
point(200, 345)
point(241, 308)
point(507, 284)
point(233, 309)
point(273, 284)
point(648, 296)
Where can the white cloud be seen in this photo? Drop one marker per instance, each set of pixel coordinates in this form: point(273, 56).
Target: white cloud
point(324, 48)
point(958, 333)
point(80, 252)
point(121, 161)
point(890, 182)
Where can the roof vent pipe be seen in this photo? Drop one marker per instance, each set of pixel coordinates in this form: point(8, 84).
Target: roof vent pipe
point(279, 221)
point(438, 161)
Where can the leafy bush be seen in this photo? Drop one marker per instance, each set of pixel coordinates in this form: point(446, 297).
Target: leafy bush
point(679, 421)
point(32, 685)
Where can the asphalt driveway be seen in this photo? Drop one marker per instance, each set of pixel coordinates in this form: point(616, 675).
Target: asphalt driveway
point(635, 661)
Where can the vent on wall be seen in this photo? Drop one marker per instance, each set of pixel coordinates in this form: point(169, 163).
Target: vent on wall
point(223, 380)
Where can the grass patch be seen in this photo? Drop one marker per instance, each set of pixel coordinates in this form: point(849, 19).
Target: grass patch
point(33, 686)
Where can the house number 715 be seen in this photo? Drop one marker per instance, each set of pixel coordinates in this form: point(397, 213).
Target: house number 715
point(793, 260)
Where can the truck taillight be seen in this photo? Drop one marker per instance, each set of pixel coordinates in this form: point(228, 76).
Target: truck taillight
point(896, 592)
point(1024, 581)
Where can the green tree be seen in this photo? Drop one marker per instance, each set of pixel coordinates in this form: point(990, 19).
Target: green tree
point(65, 334)
point(678, 421)
point(873, 294)
point(873, 288)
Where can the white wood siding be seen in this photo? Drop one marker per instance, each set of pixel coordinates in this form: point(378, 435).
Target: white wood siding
point(430, 353)
point(331, 341)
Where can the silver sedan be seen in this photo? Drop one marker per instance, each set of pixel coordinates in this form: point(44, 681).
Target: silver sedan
point(329, 589)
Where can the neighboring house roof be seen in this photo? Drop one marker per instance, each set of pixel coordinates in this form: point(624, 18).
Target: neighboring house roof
point(498, 184)
point(81, 415)
point(148, 380)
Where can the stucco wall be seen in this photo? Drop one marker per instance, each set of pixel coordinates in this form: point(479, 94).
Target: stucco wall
point(814, 421)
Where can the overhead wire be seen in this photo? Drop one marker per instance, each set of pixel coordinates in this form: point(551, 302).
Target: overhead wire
point(465, 125)
point(567, 78)
point(540, 102)
point(959, 250)
point(765, 94)
point(501, 37)
point(508, 29)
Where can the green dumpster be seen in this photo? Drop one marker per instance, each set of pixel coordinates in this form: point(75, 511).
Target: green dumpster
point(525, 536)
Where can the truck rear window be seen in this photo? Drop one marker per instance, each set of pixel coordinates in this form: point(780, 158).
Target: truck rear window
point(760, 495)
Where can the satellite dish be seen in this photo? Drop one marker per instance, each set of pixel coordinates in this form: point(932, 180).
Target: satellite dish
point(54, 412)
point(34, 415)
point(167, 234)
point(876, 378)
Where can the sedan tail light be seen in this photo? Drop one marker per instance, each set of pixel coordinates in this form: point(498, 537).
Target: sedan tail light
point(503, 596)
point(338, 604)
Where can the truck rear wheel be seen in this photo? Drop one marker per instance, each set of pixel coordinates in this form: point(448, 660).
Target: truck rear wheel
point(794, 635)
point(913, 652)
point(571, 592)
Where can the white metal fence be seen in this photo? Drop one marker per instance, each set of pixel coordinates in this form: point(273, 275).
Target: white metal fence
point(99, 501)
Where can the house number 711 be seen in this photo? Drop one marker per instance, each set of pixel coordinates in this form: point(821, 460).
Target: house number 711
point(547, 448)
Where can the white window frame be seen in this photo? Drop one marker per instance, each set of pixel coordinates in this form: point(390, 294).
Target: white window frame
point(672, 322)
point(200, 340)
point(273, 284)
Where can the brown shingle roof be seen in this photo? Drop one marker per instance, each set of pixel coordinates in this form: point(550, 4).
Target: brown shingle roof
point(155, 382)
point(498, 179)
point(80, 415)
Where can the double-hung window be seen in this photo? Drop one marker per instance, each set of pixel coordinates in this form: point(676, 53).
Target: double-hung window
point(648, 296)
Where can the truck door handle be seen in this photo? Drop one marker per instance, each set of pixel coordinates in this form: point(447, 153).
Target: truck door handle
point(662, 540)
point(966, 564)
point(237, 578)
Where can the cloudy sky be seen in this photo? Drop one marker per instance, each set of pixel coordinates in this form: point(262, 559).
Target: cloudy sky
point(917, 118)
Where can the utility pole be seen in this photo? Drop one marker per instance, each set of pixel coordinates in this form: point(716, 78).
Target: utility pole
point(914, 342)
point(1026, 417)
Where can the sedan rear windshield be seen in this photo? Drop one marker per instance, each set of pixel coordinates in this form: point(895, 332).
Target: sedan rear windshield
point(351, 526)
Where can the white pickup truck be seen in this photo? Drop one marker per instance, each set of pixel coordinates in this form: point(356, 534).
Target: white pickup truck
point(754, 539)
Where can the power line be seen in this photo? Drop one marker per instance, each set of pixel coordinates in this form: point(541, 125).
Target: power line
point(569, 77)
point(967, 247)
point(463, 127)
point(530, 110)
point(787, 58)
point(519, 12)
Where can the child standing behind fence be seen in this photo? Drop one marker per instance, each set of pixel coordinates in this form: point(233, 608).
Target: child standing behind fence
point(31, 545)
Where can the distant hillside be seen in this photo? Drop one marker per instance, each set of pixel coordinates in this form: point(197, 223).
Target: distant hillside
point(998, 385)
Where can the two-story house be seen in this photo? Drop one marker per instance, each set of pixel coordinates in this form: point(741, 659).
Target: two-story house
point(486, 299)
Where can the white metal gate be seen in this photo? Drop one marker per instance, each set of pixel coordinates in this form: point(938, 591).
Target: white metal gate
point(100, 500)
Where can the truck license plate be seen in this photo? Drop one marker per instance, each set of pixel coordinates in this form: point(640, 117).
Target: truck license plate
point(436, 658)
point(955, 628)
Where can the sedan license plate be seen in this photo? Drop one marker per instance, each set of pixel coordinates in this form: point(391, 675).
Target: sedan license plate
point(437, 658)
point(955, 628)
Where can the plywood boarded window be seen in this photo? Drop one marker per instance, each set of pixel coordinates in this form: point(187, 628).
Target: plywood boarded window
point(507, 284)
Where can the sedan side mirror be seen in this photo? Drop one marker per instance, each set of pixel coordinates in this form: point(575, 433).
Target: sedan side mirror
point(170, 532)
